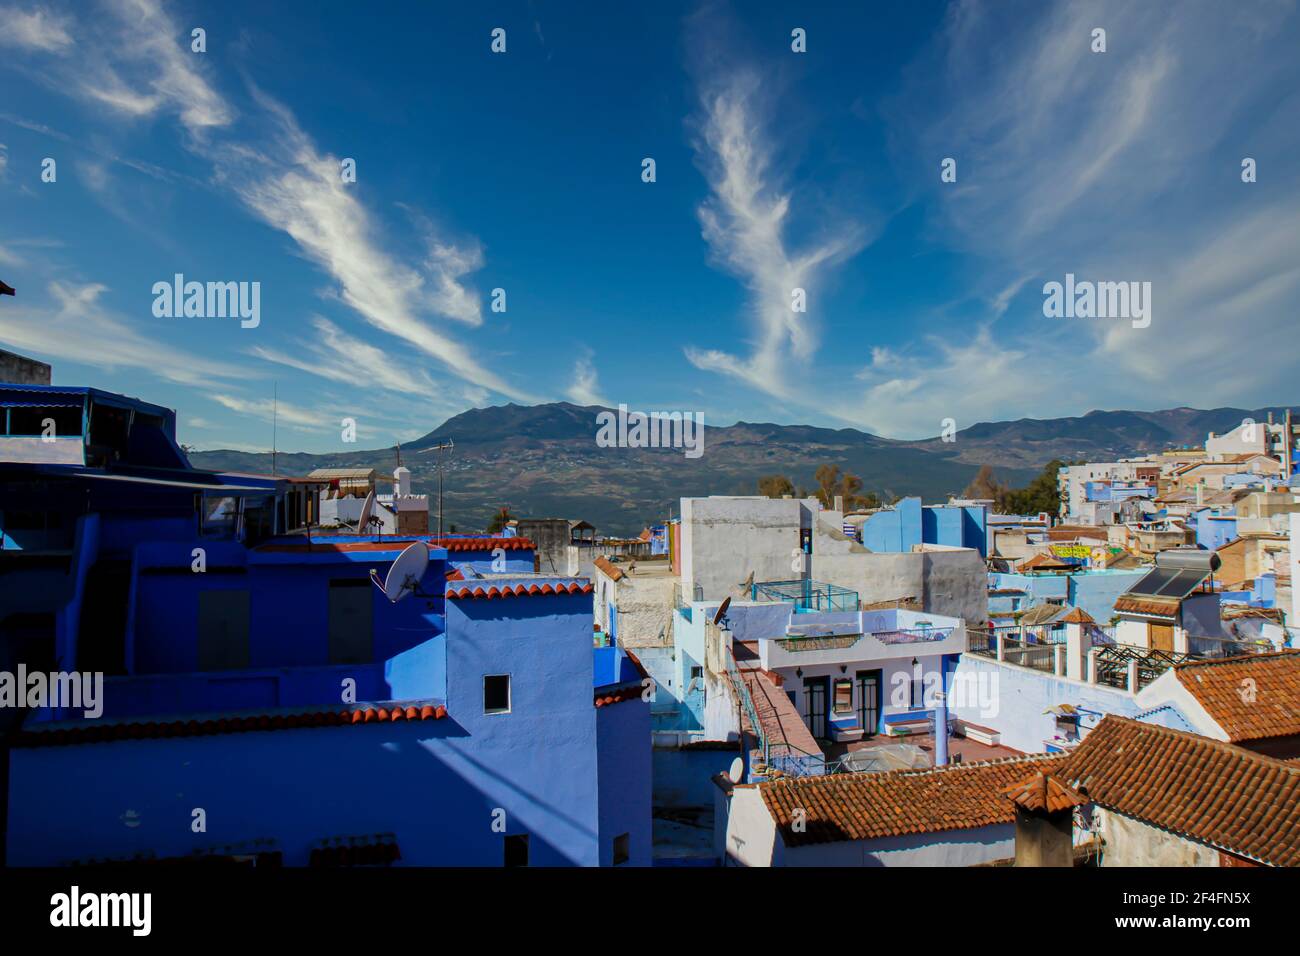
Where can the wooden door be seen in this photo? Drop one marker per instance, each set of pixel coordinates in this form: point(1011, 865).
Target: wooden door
point(1161, 637)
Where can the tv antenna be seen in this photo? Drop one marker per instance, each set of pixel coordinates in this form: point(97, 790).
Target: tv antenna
point(275, 414)
point(442, 446)
point(405, 575)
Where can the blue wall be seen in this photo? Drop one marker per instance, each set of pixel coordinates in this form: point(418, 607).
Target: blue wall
point(1093, 591)
point(909, 524)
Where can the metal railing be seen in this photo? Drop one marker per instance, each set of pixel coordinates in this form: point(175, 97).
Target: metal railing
point(1217, 647)
point(680, 602)
point(818, 643)
point(913, 635)
point(1030, 652)
point(807, 595)
point(781, 755)
point(1113, 664)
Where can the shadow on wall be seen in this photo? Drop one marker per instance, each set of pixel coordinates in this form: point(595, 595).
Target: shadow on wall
point(295, 787)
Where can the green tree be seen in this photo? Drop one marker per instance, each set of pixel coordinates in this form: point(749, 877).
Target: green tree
point(1041, 494)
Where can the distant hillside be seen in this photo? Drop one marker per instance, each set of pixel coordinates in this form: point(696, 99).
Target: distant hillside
point(1096, 436)
point(543, 460)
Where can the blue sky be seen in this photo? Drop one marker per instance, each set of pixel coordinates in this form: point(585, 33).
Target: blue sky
point(775, 170)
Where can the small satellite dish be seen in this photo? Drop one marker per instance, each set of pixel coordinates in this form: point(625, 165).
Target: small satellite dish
point(721, 612)
point(367, 509)
point(406, 573)
point(737, 771)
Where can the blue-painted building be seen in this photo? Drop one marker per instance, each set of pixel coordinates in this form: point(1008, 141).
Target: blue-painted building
point(1213, 527)
point(908, 523)
point(262, 698)
point(1092, 590)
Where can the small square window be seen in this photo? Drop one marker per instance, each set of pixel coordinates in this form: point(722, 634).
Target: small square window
point(516, 850)
point(496, 694)
point(621, 848)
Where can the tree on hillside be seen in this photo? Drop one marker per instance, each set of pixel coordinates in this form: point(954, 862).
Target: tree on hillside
point(1041, 494)
point(832, 483)
point(500, 520)
point(775, 486)
point(985, 484)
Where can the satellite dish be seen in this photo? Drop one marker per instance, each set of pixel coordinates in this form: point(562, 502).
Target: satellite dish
point(406, 573)
point(367, 509)
point(721, 612)
point(737, 771)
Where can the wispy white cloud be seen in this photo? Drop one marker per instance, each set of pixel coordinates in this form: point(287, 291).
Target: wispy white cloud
point(144, 67)
point(34, 29)
point(335, 355)
point(745, 221)
point(1119, 166)
point(913, 393)
point(585, 387)
point(289, 184)
point(279, 411)
point(76, 327)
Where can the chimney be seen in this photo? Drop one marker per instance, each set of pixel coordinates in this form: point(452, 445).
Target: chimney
point(1200, 494)
point(839, 503)
point(1044, 820)
point(941, 729)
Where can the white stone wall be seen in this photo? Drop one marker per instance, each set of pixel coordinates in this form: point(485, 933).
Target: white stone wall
point(1130, 842)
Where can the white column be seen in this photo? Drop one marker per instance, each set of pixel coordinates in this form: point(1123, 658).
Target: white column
point(1059, 663)
point(1077, 647)
point(1132, 677)
point(1092, 664)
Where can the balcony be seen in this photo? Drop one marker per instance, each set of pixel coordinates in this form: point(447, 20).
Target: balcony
point(862, 637)
point(807, 595)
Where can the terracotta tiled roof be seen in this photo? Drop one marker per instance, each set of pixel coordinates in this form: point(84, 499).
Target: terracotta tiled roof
point(1044, 562)
point(482, 544)
point(520, 589)
point(611, 570)
point(1043, 792)
point(394, 543)
point(1252, 697)
point(92, 731)
point(1151, 606)
point(618, 695)
point(865, 806)
point(1207, 791)
point(366, 851)
point(1077, 615)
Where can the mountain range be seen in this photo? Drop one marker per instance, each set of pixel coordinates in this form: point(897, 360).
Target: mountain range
point(543, 460)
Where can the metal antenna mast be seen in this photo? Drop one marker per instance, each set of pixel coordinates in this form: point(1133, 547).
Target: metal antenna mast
point(275, 414)
point(438, 449)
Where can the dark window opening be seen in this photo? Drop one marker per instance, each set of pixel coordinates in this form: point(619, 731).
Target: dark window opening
point(622, 852)
point(351, 621)
point(516, 850)
point(110, 430)
point(496, 694)
point(31, 421)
